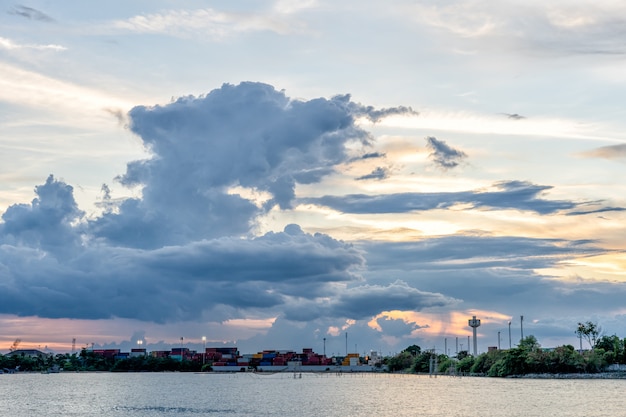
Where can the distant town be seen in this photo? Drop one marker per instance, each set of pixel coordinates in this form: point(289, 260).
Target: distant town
point(605, 354)
point(217, 359)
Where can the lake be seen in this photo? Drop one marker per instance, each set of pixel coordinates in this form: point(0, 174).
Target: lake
point(288, 394)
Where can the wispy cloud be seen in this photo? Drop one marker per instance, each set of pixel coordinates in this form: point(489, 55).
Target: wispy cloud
point(294, 6)
point(10, 45)
point(606, 152)
point(30, 13)
point(514, 116)
point(469, 122)
point(556, 27)
point(208, 22)
point(443, 155)
point(32, 89)
point(517, 195)
point(379, 173)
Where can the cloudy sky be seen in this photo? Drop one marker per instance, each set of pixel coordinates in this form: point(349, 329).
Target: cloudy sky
point(271, 174)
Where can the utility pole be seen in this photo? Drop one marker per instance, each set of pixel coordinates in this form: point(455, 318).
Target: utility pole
point(509, 334)
point(204, 351)
point(498, 340)
point(521, 323)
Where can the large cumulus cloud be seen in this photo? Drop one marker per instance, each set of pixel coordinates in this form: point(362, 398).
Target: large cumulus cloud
point(185, 246)
point(248, 135)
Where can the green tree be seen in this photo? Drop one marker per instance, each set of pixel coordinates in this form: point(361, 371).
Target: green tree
point(465, 365)
point(422, 362)
point(462, 354)
point(613, 347)
point(588, 331)
point(564, 360)
point(401, 362)
point(414, 350)
point(485, 361)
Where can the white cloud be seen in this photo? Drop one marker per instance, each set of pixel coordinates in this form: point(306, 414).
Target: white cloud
point(209, 22)
point(564, 26)
point(294, 6)
point(471, 122)
point(10, 45)
point(32, 89)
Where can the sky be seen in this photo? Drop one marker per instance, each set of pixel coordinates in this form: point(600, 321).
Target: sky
point(356, 175)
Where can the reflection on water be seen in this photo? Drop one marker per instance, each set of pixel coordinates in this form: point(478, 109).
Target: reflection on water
point(186, 394)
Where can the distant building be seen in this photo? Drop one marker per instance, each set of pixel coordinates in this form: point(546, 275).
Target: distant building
point(137, 352)
point(107, 353)
point(30, 353)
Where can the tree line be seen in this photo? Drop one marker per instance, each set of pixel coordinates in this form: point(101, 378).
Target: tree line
point(526, 358)
point(87, 360)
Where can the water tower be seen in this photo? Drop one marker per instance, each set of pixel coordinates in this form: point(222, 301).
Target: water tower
point(474, 323)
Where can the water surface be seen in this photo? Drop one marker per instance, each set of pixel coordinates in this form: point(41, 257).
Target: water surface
point(188, 394)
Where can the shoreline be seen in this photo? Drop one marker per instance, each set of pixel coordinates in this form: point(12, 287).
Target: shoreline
point(599, 375)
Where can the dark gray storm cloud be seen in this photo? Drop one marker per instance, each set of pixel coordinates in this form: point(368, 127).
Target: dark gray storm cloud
point(396, 327)
point(368, 300)
point(499, 272)
point(516, 195)
point(443, 155)
point(477, 252)
point(175, 282)
point(503, 274)
point(364, 301)
point(30, 13)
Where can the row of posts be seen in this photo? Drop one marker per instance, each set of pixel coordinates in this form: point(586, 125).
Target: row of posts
point(474, 323)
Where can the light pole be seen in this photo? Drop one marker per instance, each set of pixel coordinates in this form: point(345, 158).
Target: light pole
point(204, 351)
point(324, 347)
point(509, 334)
point(521, 323)
point(181, 349)
point(498, 340)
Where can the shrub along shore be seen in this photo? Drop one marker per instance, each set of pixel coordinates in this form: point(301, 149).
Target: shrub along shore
point(528, 360)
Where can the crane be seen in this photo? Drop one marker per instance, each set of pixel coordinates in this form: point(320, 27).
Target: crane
point(15, 345)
